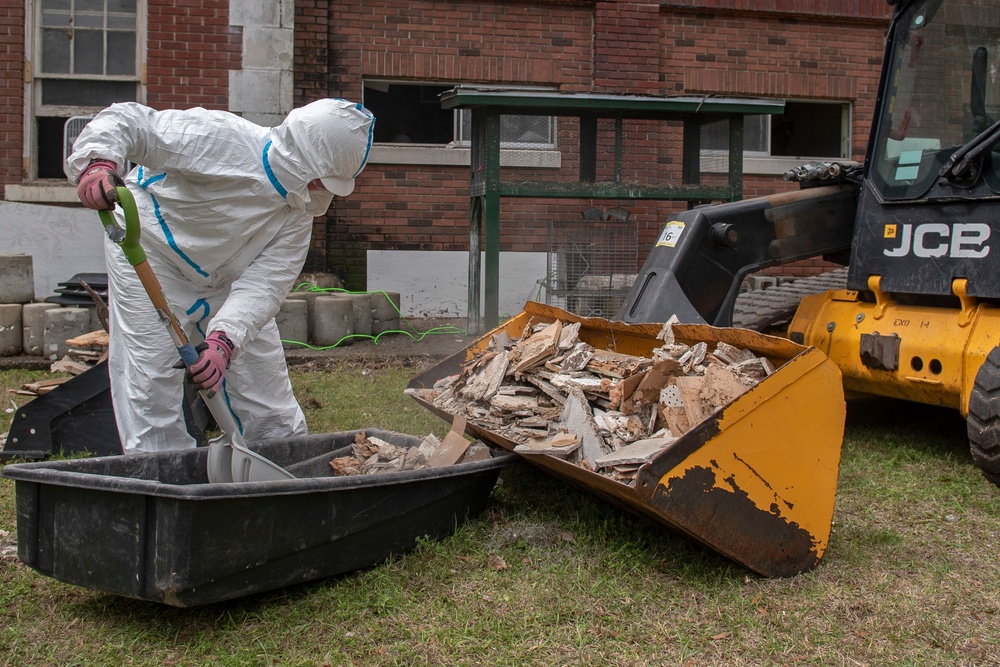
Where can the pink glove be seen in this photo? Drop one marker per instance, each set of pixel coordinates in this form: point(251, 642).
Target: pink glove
point(207, 372)
point(97, 185)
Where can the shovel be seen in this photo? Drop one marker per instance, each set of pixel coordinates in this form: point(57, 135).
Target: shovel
point(229, 460)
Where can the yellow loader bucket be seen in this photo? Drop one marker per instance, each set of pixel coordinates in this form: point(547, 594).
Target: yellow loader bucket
point(754, 480)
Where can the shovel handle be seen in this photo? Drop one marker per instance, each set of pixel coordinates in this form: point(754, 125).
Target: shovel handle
point(128, 239)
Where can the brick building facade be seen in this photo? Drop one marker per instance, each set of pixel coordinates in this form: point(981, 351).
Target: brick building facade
point(822, 57)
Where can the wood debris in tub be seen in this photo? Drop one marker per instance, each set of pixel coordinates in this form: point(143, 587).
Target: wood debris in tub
point(371, 455)
point(552, 394)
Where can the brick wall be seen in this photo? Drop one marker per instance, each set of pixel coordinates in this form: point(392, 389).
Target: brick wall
point(737, 54)
point(805, 49)
point(191, 48)
point(421, 207)
point(12, 88)
point(810, 49)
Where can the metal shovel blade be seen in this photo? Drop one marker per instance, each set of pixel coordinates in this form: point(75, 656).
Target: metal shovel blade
point(220, 461)
point(229, 459)
point(249, 466)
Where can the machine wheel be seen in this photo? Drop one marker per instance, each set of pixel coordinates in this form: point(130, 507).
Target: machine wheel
point(762, 309)
point(984, 418)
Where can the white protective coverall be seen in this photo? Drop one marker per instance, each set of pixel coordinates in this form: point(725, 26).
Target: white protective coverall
point(226, 219)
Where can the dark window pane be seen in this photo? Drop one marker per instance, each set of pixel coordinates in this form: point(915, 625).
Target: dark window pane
point(55, 4)
point(88, 20)
point(55, 19)
point(88, 93)
point(55, 52)
point(755, 133)
point(123, 6)
point(408, 113)
point(121, 53)
point(88, 52)
point(807, 130)
point(50, 148)
point(90, 6)
point(525, 129)
point(122, 22)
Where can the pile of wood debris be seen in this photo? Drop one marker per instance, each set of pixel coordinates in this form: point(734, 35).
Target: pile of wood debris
point(82, 353)
point(371, 455)
point(553, 394)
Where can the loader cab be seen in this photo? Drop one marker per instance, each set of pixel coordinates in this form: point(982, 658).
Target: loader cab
point(930, 208)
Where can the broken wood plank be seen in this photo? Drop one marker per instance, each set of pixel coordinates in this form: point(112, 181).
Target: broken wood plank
point(67, 365)
point(482, 385)
point(535, 349)
point(561, 445)
point(637, 453)
point(578, 418)
point(99, 338)
point(502, 403)
point(721, 387)
point(452, 447)
point(616, 364)
point(689, 387)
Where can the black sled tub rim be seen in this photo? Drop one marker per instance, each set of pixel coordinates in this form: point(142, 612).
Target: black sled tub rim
point(167, 535)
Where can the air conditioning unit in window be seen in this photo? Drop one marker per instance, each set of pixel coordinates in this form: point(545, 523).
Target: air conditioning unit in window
point(71, 130)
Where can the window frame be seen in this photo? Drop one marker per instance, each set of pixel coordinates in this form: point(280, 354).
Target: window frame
point(33, 106)
point(457, 152)
point(764, 163)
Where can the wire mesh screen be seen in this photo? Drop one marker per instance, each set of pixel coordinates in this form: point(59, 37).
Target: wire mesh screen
point(648, 153)
point(591, 264)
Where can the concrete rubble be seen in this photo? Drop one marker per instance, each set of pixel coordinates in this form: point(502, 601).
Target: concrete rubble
point(371, 455)
point(555, 395)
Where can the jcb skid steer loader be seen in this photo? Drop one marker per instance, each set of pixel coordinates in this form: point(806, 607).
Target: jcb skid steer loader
point(916, 224)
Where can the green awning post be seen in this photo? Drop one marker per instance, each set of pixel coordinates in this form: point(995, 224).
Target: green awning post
point(485, 220)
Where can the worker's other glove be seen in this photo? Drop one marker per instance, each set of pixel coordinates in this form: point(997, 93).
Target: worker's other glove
point(206, 373)
point(96, 189)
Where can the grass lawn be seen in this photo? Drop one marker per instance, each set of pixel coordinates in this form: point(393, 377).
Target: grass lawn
point(550, 575)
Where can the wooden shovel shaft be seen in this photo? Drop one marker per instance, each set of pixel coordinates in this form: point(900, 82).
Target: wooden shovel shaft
point(155, 292)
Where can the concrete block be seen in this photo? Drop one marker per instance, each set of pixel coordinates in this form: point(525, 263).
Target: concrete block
point(17, 279)
point(310, 299)
point(11, 329)
point(60, 325)
point(333, 318)
point(362, 305)
point(293, 322)
point(250, 13)
point(385, 306)
point(33, 327)
point(385, 312)
point(268, 48)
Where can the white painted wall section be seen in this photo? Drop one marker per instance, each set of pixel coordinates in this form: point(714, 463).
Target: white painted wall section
point(436, 284)
point(61, 241)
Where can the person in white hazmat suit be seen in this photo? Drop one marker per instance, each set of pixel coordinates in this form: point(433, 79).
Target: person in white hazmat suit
point(226, 210)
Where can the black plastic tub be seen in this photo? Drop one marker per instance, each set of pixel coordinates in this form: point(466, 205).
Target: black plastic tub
point(150, 526)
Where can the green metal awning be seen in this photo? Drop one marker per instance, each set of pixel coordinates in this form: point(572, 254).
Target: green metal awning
point(551, 103)
point(487, 105)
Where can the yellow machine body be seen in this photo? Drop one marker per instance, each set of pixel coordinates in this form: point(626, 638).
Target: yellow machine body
point(928, 355)
point(755, 481)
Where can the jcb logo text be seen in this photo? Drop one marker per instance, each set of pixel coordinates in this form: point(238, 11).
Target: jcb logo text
point(934, 239)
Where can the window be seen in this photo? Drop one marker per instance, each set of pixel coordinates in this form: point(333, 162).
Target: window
point(805, 130)
point(412, 113)
point(86, 56)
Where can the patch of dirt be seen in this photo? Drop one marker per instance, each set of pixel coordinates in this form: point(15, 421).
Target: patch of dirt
point(8, 546)
point(420, 344)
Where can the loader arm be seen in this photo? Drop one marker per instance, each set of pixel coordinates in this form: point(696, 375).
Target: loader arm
point(702, 255)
